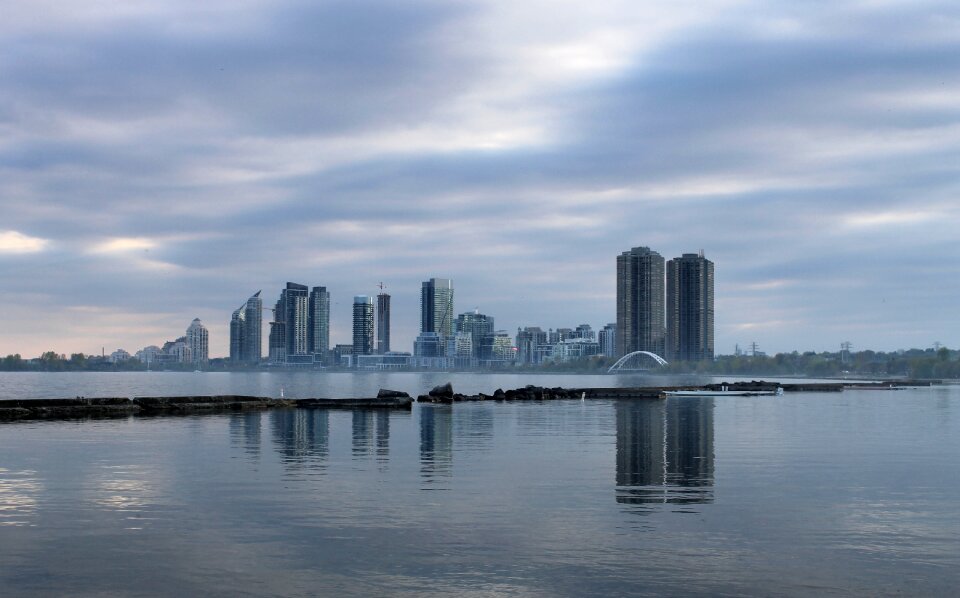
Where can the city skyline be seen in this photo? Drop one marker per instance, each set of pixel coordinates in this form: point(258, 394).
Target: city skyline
point(161, 163)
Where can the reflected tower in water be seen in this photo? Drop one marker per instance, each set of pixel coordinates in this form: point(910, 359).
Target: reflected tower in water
point(436, 441)
point(665, 451)
point(301, 435)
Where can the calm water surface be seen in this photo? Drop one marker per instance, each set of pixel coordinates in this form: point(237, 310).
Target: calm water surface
point(849, 493)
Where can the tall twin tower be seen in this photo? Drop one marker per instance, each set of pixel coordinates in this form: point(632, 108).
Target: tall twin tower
point(665, 310)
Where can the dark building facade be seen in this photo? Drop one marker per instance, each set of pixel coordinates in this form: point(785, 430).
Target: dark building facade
point(689, 308)
point(640, 302)
point(246, 332)
point(363, 325)
point(436, 307)
point(383, 323)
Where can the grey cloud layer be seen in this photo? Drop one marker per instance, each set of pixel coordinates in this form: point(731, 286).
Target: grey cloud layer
point(811, 152)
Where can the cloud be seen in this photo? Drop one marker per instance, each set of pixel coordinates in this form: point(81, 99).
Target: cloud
point(12, 241)
point(172, 159)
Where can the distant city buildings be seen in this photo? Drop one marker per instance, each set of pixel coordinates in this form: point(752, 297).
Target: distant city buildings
point(666, 307)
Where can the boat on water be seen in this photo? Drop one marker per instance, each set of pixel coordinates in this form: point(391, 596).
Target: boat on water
point(723, 392)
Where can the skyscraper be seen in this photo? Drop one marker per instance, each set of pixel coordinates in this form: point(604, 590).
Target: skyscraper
point(198, 342)
point(245, 331)
point(640, 301)
point(383, 323)
point(318, 325)
point(436, 307)
point(608, 340)
point(690, 308)
point(362, 325)
point(294, 303)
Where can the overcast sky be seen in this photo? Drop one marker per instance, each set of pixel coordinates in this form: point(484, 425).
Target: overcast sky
point(161, 161)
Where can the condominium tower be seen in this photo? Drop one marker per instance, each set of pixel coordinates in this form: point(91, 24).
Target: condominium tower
point(383, 323)
point(318, 324)
point(690, 308)
point(245, 331)
point(436, 306)
point(198, 343)
point(362, 325)
point(640, 301)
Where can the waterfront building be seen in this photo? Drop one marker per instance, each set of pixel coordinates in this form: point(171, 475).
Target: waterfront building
point(497, 350)
point(391, 360)
point(383, 323)
point(429, 344)
point(245, 331)
point(294, 303)
point(640, 301)
point(342, 355)
point(318, 324)
point(608, 340)
point(528, 339)
point(198, 342)
point(362, 325)
point(149, 354)
point(573, 349)
point(436, 306)
point(118, 356)
point(689, 308)
point(584, 331)
point(477, 325)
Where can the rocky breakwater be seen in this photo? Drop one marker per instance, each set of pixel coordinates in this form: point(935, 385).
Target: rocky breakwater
point(175, 405)
point(444, 394)
point(66, 408)
point(385, 399)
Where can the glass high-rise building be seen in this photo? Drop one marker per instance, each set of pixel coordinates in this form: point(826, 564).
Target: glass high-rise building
point(689, 308)
point(383, 323)
point(362, 325)
point(294, 301)
point(640, 302)
point(245, 331)
point(436, 307)
point(318, 324)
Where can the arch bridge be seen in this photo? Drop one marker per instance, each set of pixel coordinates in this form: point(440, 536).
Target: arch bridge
point(618, 366)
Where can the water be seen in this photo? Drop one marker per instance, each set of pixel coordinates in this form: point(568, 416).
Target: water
point(807, 494)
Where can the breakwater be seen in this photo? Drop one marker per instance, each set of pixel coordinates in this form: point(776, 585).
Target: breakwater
point(82, 407)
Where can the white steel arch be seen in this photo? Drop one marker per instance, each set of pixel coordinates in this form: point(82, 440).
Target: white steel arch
point(619, 365)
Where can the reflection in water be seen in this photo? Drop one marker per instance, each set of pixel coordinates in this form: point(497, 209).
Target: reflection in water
point(383, 433)
point(245, 431)
point(362, 432)
point(474, 427)
point(665, 451)
point(436, 441)
point(301, 435)
point(18, 497)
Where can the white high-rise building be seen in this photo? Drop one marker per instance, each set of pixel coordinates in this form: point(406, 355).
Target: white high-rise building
point(198, 343)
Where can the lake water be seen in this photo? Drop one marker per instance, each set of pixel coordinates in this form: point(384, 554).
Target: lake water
point(852, 493)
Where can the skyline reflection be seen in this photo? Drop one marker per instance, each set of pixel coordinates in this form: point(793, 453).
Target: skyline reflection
point(665, 451)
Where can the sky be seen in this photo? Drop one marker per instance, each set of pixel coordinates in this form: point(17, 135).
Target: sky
point(162, 161)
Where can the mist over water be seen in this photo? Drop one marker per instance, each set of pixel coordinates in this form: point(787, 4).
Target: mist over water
point(812, 493)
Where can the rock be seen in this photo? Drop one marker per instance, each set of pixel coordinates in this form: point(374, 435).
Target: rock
point(442, 391)
point(391, 394)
